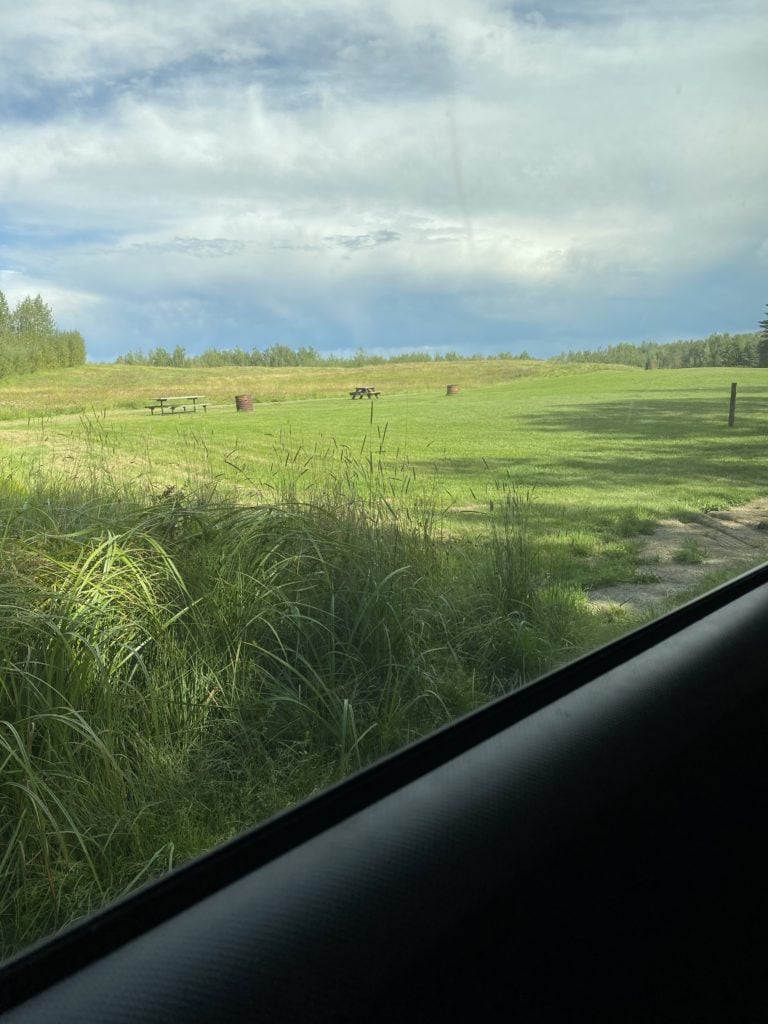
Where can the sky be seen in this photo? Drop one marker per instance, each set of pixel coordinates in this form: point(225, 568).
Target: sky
point(468, 175)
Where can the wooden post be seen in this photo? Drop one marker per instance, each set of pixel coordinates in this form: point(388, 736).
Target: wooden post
point(732, 407)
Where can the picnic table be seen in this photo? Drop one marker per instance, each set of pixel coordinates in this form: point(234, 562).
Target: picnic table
point(170, 404)
point(364, 393)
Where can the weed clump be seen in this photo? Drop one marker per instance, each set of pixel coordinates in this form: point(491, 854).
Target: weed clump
point(690, 552)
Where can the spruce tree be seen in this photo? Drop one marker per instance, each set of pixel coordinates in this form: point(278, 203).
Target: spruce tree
point(762, 343)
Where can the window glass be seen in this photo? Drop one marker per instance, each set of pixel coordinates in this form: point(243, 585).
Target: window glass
point(358, 365)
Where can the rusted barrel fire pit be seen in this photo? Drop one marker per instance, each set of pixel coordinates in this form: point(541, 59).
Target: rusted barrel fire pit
point(243, 403)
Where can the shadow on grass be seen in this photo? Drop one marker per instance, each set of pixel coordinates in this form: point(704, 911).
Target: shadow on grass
point(660, 418)
point(641, 444)
point(647, 468)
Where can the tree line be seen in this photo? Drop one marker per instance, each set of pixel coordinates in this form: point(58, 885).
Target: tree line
point(750, 349)
point(717, 350)
point(284, 355)
point(30, 340)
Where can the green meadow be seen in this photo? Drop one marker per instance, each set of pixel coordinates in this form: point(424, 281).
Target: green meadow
point(600, 453)
point(208, 617)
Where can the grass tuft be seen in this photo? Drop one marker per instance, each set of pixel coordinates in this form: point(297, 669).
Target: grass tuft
point(690, 552)
point(179, 665)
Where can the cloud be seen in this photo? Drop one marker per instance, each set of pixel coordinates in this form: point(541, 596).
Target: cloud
point(199, 248)
point(327, 154)
point(69, 305)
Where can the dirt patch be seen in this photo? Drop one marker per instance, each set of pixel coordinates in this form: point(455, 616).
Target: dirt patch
point(678, 556)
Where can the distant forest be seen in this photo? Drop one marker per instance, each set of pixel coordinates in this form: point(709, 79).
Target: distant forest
point(30, 340)
point(716, 350)
point(284, 355)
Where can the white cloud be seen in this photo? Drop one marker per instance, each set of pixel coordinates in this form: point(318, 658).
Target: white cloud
point(69, 305)
point(313, 147)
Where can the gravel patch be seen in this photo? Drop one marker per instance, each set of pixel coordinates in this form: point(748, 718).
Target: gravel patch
point(678, 556)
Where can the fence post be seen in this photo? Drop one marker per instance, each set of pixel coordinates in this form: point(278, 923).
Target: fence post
point(732, 407)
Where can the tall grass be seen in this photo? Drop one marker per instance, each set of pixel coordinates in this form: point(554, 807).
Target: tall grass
point(177, 665)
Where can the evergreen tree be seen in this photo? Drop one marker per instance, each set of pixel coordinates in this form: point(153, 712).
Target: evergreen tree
point(762, 343)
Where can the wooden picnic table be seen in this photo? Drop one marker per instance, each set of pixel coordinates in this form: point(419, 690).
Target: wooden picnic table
point(364, 393)
point(168, 403)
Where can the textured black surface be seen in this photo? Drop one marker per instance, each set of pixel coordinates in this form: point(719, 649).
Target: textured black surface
point(602, 855)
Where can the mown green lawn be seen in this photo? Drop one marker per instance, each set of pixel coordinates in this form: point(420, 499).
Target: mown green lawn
point(116, 386)
point(601, 453)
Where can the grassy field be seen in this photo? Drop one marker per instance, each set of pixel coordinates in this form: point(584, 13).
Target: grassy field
point(602, 453)
point(205, 618)
point(120, 386)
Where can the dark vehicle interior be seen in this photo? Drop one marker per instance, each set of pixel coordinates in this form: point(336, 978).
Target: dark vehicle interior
point(591, 846)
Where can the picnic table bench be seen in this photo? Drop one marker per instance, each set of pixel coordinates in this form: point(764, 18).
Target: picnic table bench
point(172, 404)
point(364, 393)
